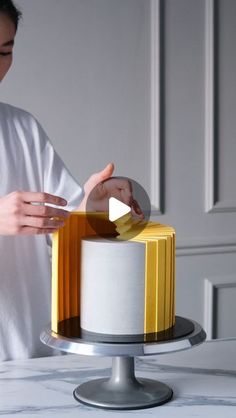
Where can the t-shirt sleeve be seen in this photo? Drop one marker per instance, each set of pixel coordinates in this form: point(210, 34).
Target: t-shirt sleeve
point(59, 181)
point(56, 178)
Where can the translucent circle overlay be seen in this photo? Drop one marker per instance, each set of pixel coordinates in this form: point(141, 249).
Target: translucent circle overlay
point(127, 191)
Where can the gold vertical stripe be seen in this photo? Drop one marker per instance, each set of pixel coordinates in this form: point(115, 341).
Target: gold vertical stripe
point(77, 246)
point(74, 266)
point(77, 273)
point(173, 281)
point(161, 277)
point(67, 241)
point(55, 284)
point(61, 274)
point(82, 232)
point(150, 302)
point(163, 286)
point(168, 284)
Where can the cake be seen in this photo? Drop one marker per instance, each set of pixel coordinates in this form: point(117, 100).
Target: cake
point(124, 285)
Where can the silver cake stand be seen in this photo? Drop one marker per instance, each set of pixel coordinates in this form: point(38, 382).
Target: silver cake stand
point(123, 391)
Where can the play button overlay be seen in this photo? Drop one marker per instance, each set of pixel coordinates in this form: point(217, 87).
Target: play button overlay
point(118, 207)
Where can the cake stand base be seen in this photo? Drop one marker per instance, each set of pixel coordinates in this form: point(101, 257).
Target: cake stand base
point(122, 391)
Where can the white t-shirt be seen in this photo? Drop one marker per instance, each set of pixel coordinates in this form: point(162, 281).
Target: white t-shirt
point(27, 162)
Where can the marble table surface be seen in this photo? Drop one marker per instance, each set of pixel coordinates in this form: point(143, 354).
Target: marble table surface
point(203, 380)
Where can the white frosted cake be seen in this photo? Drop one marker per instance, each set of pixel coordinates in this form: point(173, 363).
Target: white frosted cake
point(113, 286)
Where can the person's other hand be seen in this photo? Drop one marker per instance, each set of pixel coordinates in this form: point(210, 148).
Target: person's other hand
point(25, 213)
point(101, 186)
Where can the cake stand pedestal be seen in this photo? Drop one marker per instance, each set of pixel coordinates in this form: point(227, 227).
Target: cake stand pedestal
point(123, 391)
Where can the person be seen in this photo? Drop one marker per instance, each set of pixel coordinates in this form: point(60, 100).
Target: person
point(37, 193)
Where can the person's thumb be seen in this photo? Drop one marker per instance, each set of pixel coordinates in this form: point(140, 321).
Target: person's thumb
point(106, 173)
point(97, 178)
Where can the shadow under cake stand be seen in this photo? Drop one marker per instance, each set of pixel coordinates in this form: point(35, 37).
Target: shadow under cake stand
point(123, 391)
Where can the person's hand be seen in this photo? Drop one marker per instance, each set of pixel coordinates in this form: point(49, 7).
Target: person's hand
point(101, 186)
point(25, 213)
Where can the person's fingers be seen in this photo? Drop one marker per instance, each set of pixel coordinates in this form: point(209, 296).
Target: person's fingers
point(126, 197)
point(126, 193)
point(136, 210)
point(38, 197)
point(44, 211)
point(119, 188)
point(120, 184)
point(41, 223)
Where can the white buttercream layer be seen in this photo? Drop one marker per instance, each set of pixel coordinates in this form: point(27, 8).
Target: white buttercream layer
point(112, 286)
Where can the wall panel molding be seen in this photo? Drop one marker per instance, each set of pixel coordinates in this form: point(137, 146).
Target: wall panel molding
point(212, 202)
point(210, 107)
point(205, 246)
point(211, 288)
point(157, 73)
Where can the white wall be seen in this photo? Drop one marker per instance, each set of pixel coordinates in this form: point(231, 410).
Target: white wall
point(82, 67)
